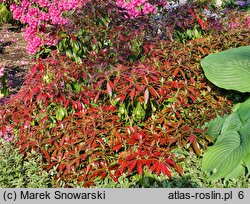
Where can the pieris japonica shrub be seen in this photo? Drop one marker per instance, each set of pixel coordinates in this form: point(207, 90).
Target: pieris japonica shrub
point(98, 120)
point(43, 16)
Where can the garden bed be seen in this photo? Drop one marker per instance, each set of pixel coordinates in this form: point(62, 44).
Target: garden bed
point(118, 102)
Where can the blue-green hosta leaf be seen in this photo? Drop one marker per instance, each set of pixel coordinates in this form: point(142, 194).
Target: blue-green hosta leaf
point(244, 111)
point(238, 171)
point(226, 154)
point(246, 161)
point(215, 126)
point(229, 69)
point(231, 123)
point(236, 107)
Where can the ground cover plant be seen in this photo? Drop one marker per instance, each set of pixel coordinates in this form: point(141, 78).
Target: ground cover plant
point(18, 172)
point(117, 102)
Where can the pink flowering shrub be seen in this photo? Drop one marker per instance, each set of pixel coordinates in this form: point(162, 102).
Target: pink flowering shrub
point(137, 8)
point(43, 16)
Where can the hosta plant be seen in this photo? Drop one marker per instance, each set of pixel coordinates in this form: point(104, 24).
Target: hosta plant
point(229, 157)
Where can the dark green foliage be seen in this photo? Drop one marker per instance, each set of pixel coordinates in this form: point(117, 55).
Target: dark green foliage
point(98, 32)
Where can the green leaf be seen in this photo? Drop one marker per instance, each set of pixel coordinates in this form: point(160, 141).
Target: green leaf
point(61, 112)
point(246, 161)
point(215, 126)
point(238, 171)
point(232, 123)
point(244, 111)
point(227, 153)
point(229, 69)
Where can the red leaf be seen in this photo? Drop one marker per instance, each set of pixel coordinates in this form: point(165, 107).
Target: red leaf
point(132, 165)
point(73, 37)
point(51, 165)
point(117, 147)
point(89, 168)
point(62, 141)
point(3, 130)
point(40, 67)
point(96, 97)
point(170, 161)
point(95, 41)
point(122, 167)
point(196, 148)
point(43, 119)
point(158, 169)
point(94, 144)
point(39, 96)
point(33, 69)
point(191, 138)
point(85, 101)
point(113, 177)
point(175, 84)
point(103, 175)
point(139, 167)
point(167, 63)
point(179, 169)
point(56, 145)
point(202, 23)
point(132, 94)
point(145, 49)
point(61, 167)
point(153, 92)
point(68, 167)
point(147, 162)
point(109, 88)
point(79, 106)
point(175, 72)
point(153, 168)
point(121, 37)
point(192, 13)
point(165, 170)
point(122, 97)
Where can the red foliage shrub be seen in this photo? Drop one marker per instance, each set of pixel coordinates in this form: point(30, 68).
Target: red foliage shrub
point(97, 119)
point(64, 112)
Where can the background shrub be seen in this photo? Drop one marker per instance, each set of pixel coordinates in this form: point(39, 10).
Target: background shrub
point(5, 14)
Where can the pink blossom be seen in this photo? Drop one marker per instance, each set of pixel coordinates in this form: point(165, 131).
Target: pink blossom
point(1, 71)
point(8, 134)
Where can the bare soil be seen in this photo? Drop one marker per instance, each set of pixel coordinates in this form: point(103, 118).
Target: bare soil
point(13, 56)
